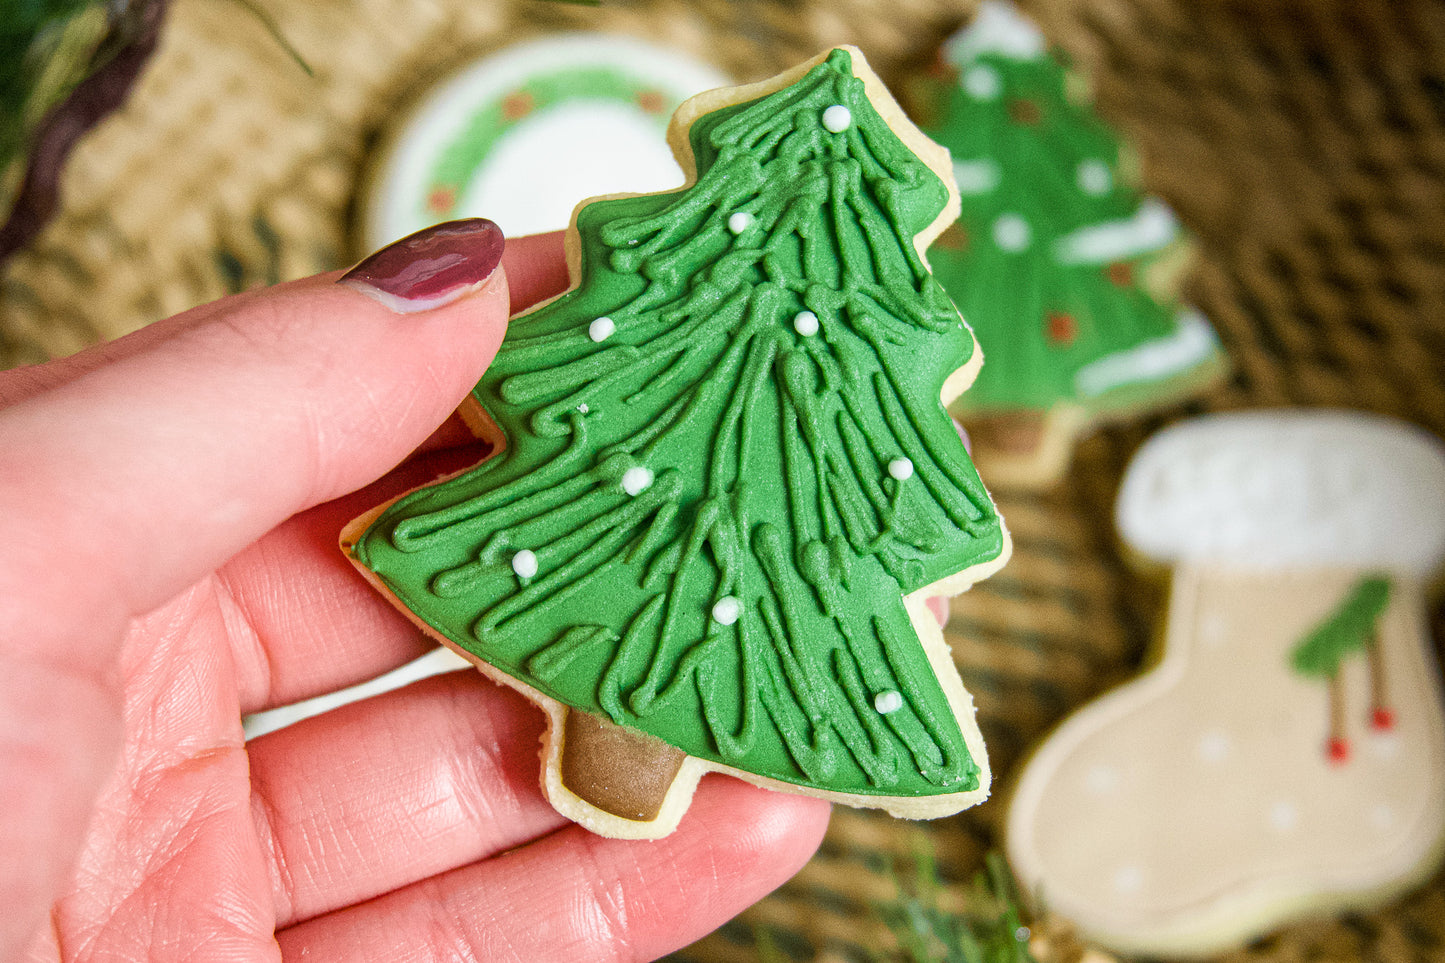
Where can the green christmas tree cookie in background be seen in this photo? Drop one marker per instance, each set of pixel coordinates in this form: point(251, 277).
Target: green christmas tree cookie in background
point(726, 479)
point(1064, 271)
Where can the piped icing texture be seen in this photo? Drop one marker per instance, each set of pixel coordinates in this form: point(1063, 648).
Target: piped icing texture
point(718, 525)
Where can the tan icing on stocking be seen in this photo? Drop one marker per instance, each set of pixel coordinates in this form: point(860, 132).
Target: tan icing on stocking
point(1235, 786)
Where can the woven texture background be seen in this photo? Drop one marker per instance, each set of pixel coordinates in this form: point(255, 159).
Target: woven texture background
point(1302, 141)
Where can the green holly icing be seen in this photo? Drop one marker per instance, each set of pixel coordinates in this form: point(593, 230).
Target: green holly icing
point(1048, 257)
point(460, 157)
point(1349, 628)
point(724, 510)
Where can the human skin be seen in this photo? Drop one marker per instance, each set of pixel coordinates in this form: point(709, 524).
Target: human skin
point(169, 508)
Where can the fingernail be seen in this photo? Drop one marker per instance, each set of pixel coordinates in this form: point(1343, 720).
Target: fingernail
point(432, 267)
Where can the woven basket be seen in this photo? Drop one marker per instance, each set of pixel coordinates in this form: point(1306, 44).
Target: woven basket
point(1302, 141)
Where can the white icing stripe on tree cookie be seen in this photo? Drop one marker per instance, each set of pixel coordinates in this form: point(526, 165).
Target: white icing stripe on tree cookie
point(1151, 227)
point(1192, 342)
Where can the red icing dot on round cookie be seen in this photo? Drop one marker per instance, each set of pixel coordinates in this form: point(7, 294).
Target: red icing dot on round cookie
point(441, 200)
point(1382, 719)
point(1338, 751)
point(518, 105)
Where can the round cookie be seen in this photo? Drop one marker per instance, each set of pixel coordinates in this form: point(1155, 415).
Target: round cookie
point(1286, 756)
point(725, 481)
point(524, 134)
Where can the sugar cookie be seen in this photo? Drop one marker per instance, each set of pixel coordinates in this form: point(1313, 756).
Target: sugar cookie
point(707, 536)
point(1287, 754)
point(1063, 269)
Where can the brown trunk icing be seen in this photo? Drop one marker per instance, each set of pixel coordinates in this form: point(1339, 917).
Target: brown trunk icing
point(620, 771)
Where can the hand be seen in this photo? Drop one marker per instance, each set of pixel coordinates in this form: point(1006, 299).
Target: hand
point(169, 510)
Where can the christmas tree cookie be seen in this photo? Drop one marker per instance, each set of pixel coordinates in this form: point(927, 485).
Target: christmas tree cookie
point(726, 479)
point(1065, 272)
point(1287, 754)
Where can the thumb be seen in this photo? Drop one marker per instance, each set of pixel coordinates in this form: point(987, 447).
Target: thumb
point(126, 483)
point(128, 476)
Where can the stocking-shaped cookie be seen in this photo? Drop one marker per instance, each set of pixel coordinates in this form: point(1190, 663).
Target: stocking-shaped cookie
point(726, 479)
point(1287, 753)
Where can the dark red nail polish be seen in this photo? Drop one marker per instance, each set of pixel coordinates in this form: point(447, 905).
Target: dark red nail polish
point(432, 267)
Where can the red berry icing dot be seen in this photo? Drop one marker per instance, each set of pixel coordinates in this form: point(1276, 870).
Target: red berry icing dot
point(1382, 719)
point(1338, 751)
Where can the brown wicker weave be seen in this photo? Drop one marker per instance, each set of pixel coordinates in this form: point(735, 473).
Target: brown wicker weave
point(1303, 141)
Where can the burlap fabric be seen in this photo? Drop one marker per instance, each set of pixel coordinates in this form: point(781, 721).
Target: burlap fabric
point(1303, 143)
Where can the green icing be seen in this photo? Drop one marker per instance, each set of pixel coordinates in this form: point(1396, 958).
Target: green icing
point(1349, 628)
point(767, 453)
point(1027, 153)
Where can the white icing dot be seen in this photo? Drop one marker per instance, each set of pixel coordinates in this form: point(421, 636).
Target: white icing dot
point(805, 323)
point(1128, 879)
point(636, 479)
point(1011, 232)
point(1102, 780)
point(1213, 746)
point(584, 408)
point(837, 118)
point(1382, 817)
point(740, 221)
point(1384, 745)
point(982, 83)
point(524, 563)
point(601, 329)
point(1094, 177)
point(725, 611)
point(890, 701)
point(1284, 816)
point(901, 469)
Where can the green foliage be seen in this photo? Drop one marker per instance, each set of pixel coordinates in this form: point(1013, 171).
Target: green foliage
point(46, 48)
point(990, 929)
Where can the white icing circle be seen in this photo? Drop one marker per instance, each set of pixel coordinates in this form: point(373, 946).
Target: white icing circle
point(1094, 177)
point(601, 329)
point(740, 221)
point(805, 323)
point(837, 119)
point(584, 407)
point(1283, 816)
point(1011, 233)
point(886, 702)
point(1102, 780)
point(901, 468)
point(1128, 879)
point(726, 610)
point(524, 563)
point(636, 479)
point(982, 83)
point(1213, 746)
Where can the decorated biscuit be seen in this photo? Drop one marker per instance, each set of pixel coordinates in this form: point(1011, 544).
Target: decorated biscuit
point(524, 133)
point(726, 480)
point(1287, 754)
point(1065, 271)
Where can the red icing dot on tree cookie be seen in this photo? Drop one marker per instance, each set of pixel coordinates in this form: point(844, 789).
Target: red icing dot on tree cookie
point(1121, 273)
point(1061, 328)
point(1024, 111)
